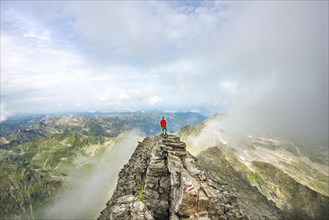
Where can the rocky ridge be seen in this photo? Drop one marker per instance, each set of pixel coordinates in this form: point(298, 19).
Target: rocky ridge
point(163, 181)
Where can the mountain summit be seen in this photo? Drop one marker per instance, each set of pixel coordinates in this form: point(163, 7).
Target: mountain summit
point(163, 181)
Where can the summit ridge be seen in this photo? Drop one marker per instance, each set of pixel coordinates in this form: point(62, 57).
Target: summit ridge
point(163, 181)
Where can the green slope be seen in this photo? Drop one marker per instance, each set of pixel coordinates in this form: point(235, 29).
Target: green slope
point(33, 172)
point(301, 172)
point(255, 205)
point(298, 200)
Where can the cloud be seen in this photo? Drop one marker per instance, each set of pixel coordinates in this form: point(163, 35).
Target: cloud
point(115, 97)
point(265, 62)
point(29, 71)
point(280, 57)
point(26, 25)
point(146, 36)
point(228, 87)
point(146, 33)
point(4, 113)
point(124, 96)
point(195, 110)
point(154, 100)
point(90, 190)
point(132, 34)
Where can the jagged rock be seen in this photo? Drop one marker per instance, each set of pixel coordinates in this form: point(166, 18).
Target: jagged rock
point(125, 199)
point(139, 211)
point(191, 166)
point(163, 181)
point(127, 207)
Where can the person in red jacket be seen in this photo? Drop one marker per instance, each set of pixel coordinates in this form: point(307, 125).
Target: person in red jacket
point(163, 125)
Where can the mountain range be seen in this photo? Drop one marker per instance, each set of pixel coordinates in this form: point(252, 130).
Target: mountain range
point(43, 157)
point(293, 177)
point(67, 166)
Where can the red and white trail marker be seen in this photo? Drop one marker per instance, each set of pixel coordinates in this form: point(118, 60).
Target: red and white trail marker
point(190, 187)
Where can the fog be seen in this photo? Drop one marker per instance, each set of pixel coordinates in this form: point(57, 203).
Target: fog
point(266, 61)
point(87, 195)
point(278, 54)
point(272, 73)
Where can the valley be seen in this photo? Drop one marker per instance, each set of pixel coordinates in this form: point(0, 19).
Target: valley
point(67, 166)
point(51, 162)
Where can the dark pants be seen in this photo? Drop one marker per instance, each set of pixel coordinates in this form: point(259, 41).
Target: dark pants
point(164, 129)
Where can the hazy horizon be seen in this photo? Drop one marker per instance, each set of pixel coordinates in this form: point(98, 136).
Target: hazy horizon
point(109, 111)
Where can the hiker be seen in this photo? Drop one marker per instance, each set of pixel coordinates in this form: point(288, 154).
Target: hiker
point(163, 124)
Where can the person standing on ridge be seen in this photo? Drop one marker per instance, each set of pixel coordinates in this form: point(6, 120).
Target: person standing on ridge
point(163, 125)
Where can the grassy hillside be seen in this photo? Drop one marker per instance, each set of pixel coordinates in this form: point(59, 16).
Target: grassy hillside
point(98, 124)
point(298, 200)
point(42, 157)
point(24, 189)
point(33, 172)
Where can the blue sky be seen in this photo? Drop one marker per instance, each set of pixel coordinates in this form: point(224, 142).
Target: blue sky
point(255, 58)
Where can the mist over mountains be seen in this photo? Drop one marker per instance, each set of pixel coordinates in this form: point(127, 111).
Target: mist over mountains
point(50, 162)
point(286, 172)
point(67, 166)
point(103, 73)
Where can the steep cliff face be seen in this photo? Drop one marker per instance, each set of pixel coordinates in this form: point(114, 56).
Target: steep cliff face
point(163, 181)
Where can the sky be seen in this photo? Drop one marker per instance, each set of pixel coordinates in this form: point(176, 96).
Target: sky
point(259, 61)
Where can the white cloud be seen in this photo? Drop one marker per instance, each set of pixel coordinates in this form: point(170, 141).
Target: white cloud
point(62, 73)
point(78, 104)
point(4, 113)
point(279, 54)
point(154, 99)
point(128, 98)
point(123, 96)
point(195, 110)
point(144, 32)
point(267, 61)
point(59, 105)
point(229, 87)
point(115, 97)
point(106, 97)
point(27, 67)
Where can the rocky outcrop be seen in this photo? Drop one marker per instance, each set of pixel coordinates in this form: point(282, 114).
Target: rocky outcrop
point(163, 181)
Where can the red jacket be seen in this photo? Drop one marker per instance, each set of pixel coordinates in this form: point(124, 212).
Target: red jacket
point(163, 123)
